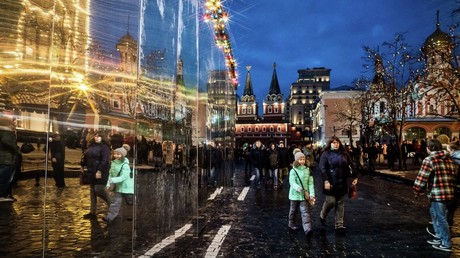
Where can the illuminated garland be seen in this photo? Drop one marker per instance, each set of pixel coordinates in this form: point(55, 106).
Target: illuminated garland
point(216, 14)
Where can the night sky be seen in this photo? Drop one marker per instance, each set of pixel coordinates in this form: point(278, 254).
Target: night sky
point(300, 34)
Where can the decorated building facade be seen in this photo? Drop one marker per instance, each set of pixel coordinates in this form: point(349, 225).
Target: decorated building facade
point(272, 126)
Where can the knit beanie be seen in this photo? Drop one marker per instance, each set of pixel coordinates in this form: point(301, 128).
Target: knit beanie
point(298, 155)
point(122, 151)
point(295, 151)
point(126, 147)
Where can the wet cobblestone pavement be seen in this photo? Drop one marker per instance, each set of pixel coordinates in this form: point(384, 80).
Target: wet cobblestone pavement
point(385, 221)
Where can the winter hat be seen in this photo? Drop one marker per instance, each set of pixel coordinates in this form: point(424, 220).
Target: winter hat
point(298, 155)
point(126, 147)
point(295, 151)
point(122, 151)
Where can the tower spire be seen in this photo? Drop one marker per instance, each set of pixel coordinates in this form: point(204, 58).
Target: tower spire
point(437, 19)
point(274, 85)
point(248, 85)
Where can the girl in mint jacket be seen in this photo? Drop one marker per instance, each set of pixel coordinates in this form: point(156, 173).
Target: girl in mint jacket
point(120, 174)
point(300, 171)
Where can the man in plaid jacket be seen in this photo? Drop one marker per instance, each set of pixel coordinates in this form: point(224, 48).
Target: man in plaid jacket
point(437, 177)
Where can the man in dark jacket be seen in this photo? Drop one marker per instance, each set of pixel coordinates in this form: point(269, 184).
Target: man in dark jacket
point(257, 160)
point(8, 153)
point(283, 163)
point(57, 149)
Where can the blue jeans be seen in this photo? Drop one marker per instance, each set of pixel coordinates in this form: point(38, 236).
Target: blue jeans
point(6, 172)
point(438, 213)
point(273, 172)
point(256, 172)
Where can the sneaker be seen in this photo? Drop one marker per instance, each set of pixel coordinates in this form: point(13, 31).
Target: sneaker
point(434, 241)
point(323, 221)
point(90, 216)
point(431, 233)
point(443, 248)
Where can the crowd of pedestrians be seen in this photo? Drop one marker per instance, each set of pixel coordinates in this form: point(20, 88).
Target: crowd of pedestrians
point(270, 166)
point(438, 177)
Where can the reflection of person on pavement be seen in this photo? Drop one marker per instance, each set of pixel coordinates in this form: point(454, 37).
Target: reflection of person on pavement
point(57, 150)
point(97, 162)
point(8, 153)
point(121, 176)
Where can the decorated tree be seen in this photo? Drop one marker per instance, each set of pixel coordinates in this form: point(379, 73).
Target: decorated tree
point(395, 69)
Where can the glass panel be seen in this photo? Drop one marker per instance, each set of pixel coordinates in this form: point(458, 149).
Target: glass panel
point(146, 74)
point(93, 84)
point(166, 183)
point(69, 69)
point(25, 49)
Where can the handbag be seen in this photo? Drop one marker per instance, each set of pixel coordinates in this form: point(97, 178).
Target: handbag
point(352, 192)
point(306, 194)
point(112, 185)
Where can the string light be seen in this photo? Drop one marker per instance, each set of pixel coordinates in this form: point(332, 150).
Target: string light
point(216, 14)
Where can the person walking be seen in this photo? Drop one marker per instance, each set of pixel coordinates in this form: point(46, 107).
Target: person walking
point(257, 160)
point(335, 166)
point(372, 154)
point(57, 150)
point(284, 163)
point(454, 150)
point(123, 180)
point(301, 180)
point(96, 159)
point(437, 177)
point(310, 154)
point(8, 154)
point(273, 158)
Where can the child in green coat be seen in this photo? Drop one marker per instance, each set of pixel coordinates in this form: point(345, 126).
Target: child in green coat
point(122, 177)
point(301, 180)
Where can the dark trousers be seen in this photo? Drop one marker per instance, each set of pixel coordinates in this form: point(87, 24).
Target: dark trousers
point(58, 171)
point(6, 172)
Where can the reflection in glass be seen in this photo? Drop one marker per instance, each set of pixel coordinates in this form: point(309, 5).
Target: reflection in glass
point(146, 73)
